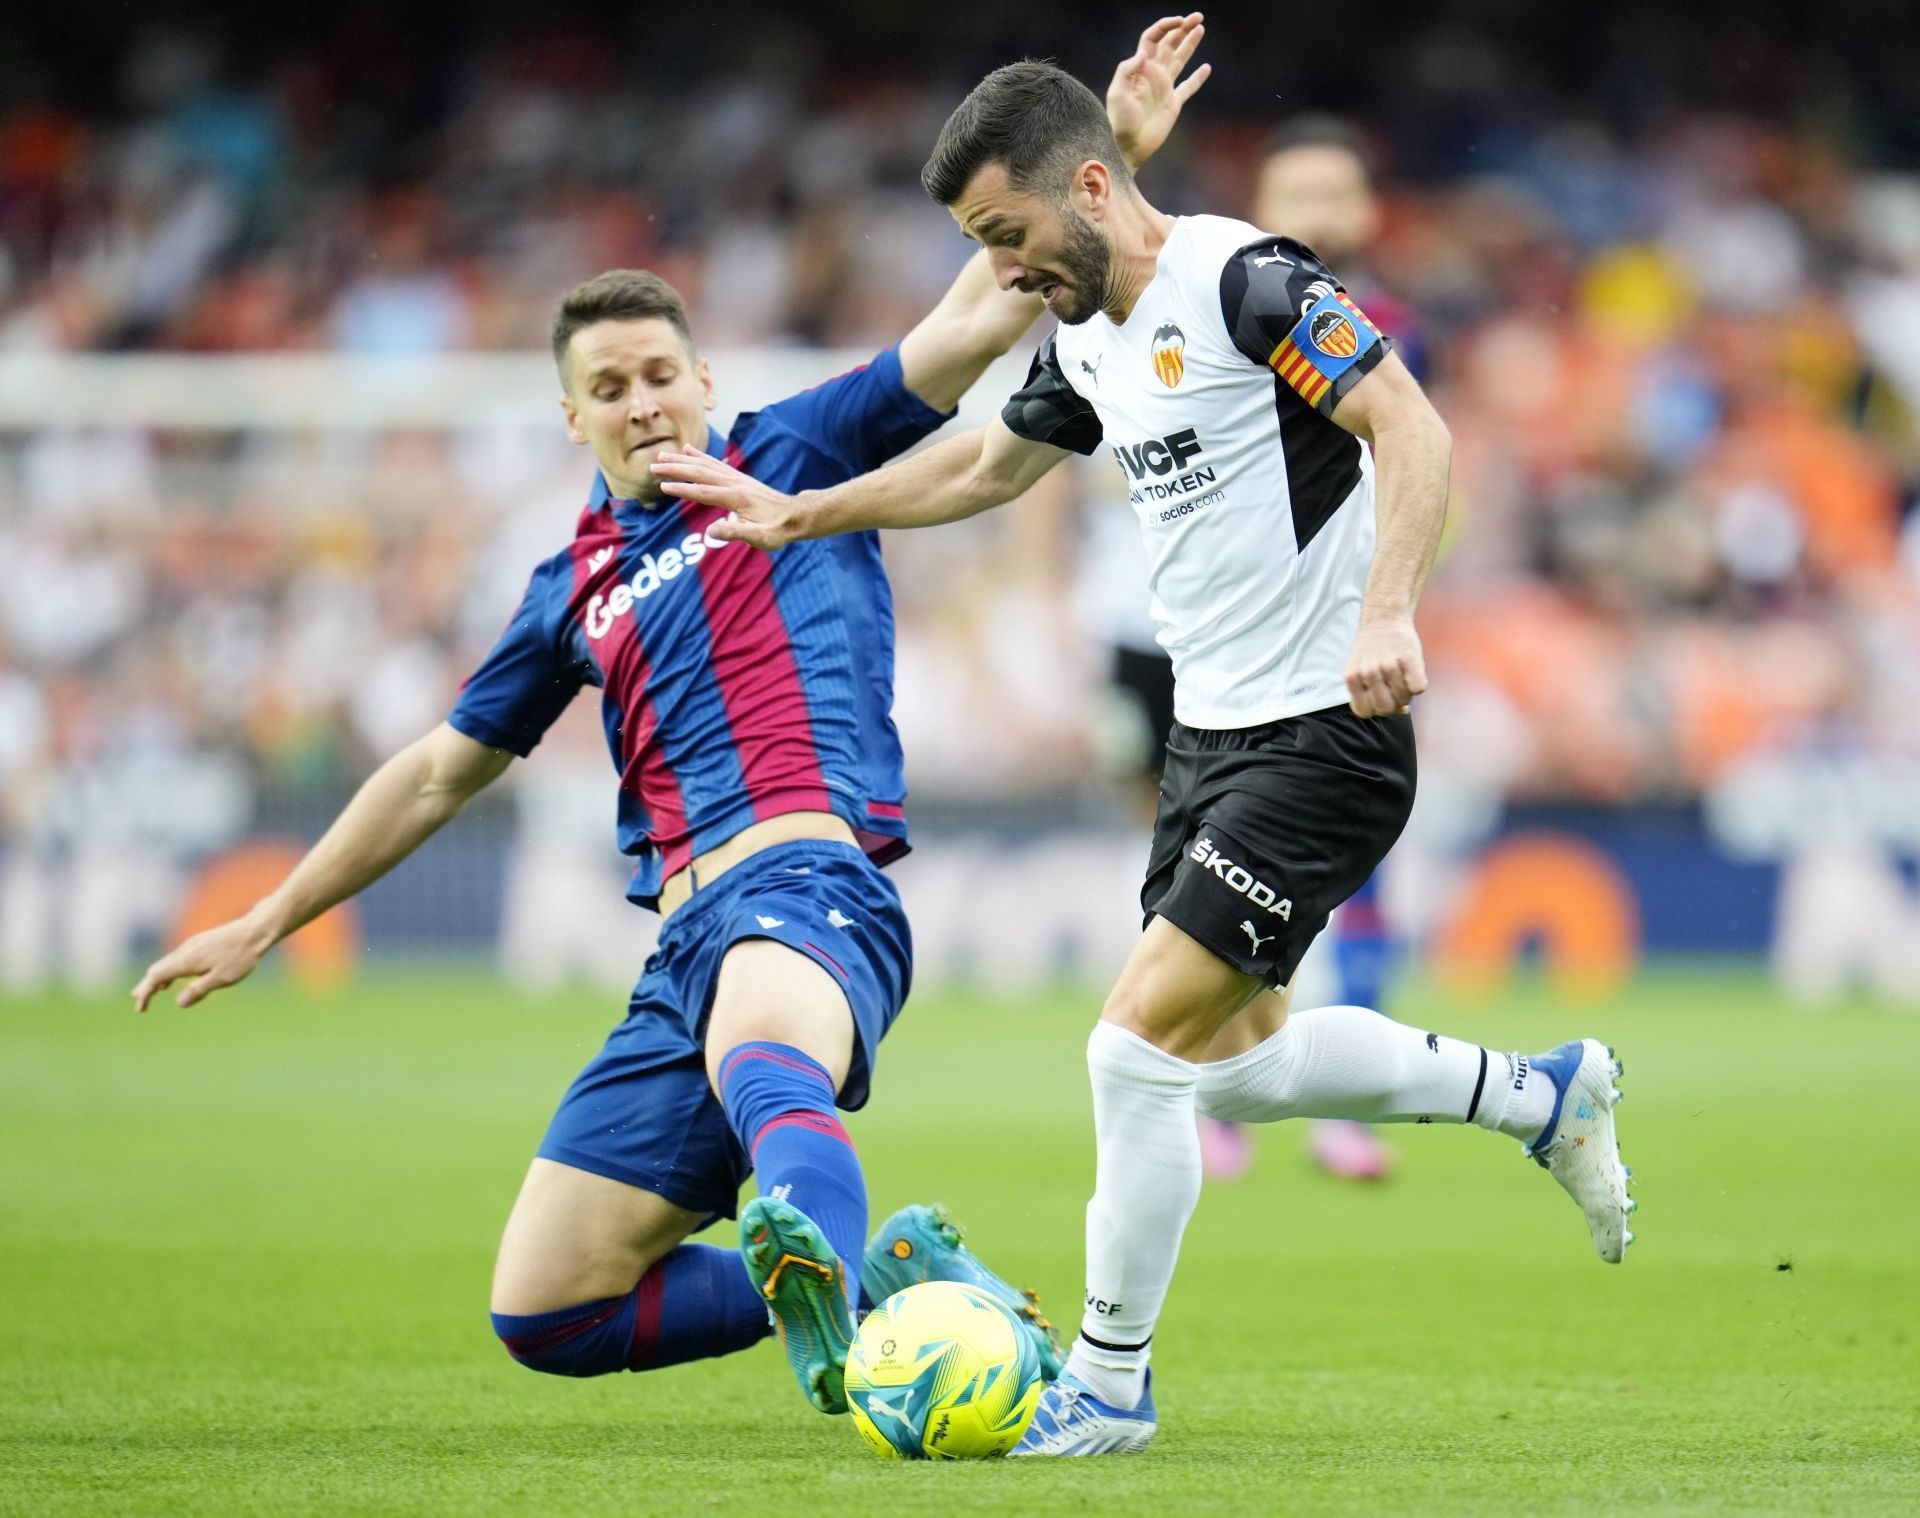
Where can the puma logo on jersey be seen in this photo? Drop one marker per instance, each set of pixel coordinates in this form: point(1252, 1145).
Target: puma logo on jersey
point(1239, 878)
point(1257, 939)
point(1093, 368)
point(1272, 258)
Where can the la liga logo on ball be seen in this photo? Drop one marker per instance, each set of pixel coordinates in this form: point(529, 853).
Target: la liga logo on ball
point(1169, 354)
point(1332, 333)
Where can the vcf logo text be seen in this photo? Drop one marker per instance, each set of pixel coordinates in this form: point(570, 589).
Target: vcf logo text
point(1159, 455)
point(1239, 878)
point(604, 610)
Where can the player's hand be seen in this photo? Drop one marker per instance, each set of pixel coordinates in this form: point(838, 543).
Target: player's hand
point(1386, 669)
point(757, 514)
point(216, 958)
point(1146, 94)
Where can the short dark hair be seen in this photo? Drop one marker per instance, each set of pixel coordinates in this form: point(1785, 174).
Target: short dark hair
point(1037, 120)
point(618, 295)
point(1316, 130)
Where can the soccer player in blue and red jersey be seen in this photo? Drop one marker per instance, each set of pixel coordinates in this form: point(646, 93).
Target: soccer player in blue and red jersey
point(746, 701)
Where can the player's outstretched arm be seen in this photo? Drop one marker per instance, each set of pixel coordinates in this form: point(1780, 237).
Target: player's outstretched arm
point(402, 804)
point(959, 478)
point(1412, 452)
point(976, 321)
point(1146, 92)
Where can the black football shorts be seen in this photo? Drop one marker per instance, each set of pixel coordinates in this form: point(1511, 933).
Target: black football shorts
point(1263, 831)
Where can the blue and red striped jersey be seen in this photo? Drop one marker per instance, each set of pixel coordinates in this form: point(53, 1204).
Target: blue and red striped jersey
point(736, 685)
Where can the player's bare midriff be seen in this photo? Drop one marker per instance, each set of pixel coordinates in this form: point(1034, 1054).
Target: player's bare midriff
point(710, 866)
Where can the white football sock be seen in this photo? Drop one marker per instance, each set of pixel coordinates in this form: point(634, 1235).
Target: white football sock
point(1146, 1187)
point(1352, 1062)
point(1528, 1101)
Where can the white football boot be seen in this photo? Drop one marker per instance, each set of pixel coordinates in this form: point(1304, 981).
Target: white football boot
point(1579, 1147)
point(1071, 1420)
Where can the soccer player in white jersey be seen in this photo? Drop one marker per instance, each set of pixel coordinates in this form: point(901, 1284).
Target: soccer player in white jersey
point(1290, 479)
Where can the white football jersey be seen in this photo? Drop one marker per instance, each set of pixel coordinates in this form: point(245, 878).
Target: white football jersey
point(1257, 510)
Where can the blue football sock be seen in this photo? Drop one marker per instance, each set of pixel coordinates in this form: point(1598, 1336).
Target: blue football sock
point(694, 1303)
point(780, 1103)
point(1362, 947)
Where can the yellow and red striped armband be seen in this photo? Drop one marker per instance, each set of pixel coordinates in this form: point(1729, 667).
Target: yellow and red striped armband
point(1332, 337)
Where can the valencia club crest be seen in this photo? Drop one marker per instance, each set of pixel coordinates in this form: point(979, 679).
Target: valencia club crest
point(1169, 354)
point(1332, 333)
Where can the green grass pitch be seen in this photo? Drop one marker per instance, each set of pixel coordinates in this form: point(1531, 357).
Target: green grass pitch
point(244, 1254)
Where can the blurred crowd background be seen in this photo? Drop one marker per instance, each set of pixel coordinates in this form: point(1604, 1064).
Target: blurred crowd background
point(1663, 271)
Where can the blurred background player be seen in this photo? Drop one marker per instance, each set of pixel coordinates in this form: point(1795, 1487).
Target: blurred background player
point(1316, 186)
point(746, 704)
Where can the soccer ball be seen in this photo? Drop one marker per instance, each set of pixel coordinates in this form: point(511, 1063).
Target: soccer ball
point(942, 1371)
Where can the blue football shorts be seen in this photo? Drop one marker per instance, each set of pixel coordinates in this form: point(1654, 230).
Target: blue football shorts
point(642, 1111)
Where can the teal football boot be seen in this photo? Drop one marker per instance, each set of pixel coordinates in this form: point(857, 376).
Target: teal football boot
point(921, 1243)
point(795, 1269)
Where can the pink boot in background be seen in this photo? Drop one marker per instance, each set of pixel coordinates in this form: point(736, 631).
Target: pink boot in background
point(1352, 1151)
point(1226, 1152)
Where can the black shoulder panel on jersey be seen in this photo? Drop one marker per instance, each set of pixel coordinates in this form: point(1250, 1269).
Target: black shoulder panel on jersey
point(1049, 410)
point(1286, 311)
point(1272, 296)
point(1265, 288)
